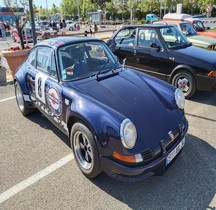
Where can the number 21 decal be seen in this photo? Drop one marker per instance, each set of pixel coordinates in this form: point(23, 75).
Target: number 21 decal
point(40, 81)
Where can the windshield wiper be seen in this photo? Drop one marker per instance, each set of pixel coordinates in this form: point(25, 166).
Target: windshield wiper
point(103, 67)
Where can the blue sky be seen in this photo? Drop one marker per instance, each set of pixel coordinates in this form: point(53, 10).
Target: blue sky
point(42, 3)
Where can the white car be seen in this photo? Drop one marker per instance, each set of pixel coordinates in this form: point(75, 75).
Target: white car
point(70, 25)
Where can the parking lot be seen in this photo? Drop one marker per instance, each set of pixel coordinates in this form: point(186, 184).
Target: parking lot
point(38, 170)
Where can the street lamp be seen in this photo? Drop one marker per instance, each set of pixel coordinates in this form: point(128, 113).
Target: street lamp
point(131, 12)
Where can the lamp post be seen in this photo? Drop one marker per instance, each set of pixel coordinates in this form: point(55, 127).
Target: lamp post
point(32, 22)
point(131, 12)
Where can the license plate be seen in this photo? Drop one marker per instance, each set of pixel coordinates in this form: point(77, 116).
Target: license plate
point(175, 151)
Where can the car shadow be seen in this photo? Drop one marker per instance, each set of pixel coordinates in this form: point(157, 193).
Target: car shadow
point(204, 97)
point(189, 183)
point(41, 120)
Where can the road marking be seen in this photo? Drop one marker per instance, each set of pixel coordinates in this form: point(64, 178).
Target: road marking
point(6, 99)
point(33, 179)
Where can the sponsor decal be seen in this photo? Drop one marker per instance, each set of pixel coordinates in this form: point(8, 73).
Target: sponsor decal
point(54, 99)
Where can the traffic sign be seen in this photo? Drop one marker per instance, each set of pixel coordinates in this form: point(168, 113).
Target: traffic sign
point(208, 8)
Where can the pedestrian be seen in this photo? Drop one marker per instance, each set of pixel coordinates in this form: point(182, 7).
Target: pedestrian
point(2, 28)
point(95, 27)
point(78, 27)
point(61, 25)
point(64, 26)
point(88, 29)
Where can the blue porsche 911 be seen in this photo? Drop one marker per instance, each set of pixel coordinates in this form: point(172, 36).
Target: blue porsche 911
point(120, 121)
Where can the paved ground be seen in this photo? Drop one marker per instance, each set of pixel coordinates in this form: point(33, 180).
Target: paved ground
point(37, 169)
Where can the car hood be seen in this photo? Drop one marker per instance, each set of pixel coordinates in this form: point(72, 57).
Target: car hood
point(201, 58)
point(201, 41)
point(146, 101)
point(207, 33)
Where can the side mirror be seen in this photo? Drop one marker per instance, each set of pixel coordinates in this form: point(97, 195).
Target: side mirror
point(155, 46)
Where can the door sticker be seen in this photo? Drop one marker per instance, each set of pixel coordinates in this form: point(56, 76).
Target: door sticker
point(54, 99)
point(40, 81)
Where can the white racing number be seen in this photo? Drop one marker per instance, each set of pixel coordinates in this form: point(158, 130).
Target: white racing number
point(40, 81)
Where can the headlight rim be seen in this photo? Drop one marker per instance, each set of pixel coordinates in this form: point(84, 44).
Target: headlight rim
point(122, 134)
point(179, 104)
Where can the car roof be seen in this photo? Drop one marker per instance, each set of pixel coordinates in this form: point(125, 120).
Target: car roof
point(59, 41)
point(146, 26)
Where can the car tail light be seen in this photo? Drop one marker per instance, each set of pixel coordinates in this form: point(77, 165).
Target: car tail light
point(212, 74)
point(128, 158)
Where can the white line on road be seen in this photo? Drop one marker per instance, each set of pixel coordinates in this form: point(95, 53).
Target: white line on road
point(33, 179)
point(6, 99)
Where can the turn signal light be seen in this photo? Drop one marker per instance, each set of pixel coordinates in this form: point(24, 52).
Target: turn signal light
point(212, 74)
point(128, 158)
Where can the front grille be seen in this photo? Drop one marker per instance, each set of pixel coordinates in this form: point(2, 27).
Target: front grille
point(212, 47)
point(147, 155)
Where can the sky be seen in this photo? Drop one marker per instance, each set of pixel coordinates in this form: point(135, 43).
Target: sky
point(42, 3)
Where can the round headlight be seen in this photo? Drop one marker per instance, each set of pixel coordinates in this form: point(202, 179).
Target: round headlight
point(128, 134)
point(179, 98)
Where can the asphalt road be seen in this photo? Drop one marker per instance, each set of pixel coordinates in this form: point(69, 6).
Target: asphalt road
point(37, 169)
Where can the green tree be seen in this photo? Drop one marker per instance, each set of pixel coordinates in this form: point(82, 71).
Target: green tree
point(13, 6)
point(54, 9)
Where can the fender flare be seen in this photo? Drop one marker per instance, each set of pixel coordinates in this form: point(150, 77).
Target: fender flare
point(178, 69)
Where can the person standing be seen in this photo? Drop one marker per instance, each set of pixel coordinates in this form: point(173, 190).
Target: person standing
point(2, 28)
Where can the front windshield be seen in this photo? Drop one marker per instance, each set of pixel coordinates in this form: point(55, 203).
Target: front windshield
point(188, 29)
point(198, 25)
point(86, 59)
point(173, 37)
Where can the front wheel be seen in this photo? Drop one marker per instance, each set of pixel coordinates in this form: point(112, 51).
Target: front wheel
point(85, 150)
point(24, 109)
point(185, 82)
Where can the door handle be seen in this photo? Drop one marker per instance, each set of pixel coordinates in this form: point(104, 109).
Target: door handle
point(32, 79)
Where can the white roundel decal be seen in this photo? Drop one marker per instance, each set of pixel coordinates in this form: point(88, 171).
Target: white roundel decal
point(54, 99)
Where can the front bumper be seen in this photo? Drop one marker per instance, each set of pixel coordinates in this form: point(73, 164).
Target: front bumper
point(134, 173)
point(205, 83)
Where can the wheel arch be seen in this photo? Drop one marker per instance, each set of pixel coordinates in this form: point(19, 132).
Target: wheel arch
point(182, 68)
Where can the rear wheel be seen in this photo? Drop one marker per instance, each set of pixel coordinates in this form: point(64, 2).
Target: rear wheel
point(185, 82)
point(85, 150)
point(24, 109)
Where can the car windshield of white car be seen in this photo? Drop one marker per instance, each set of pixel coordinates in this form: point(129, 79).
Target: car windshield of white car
point(173, 37)
point(85, 59)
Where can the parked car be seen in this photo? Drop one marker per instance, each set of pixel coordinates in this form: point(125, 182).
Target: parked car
point(46, 32)
point(113, 115)
point(70, 25)
point(201, 30)
point(208, 22)
point(164, 52)
point(191, 34)
point(151, 18)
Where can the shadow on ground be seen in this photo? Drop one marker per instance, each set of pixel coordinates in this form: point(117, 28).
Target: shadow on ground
point(188, 184)
point(41, 120)
point(204, 97)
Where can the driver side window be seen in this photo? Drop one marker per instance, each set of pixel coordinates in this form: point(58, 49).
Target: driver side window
point(147, 37)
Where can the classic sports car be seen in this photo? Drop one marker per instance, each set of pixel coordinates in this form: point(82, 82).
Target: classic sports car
point(120, 121)
point(164, 52)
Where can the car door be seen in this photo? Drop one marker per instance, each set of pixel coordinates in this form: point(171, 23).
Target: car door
point(46, 91)
point(150, 55)
point(124, 43)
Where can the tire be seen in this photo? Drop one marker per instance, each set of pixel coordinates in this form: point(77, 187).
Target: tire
point(85, 150)
point(24, 109)
point(185, 82)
